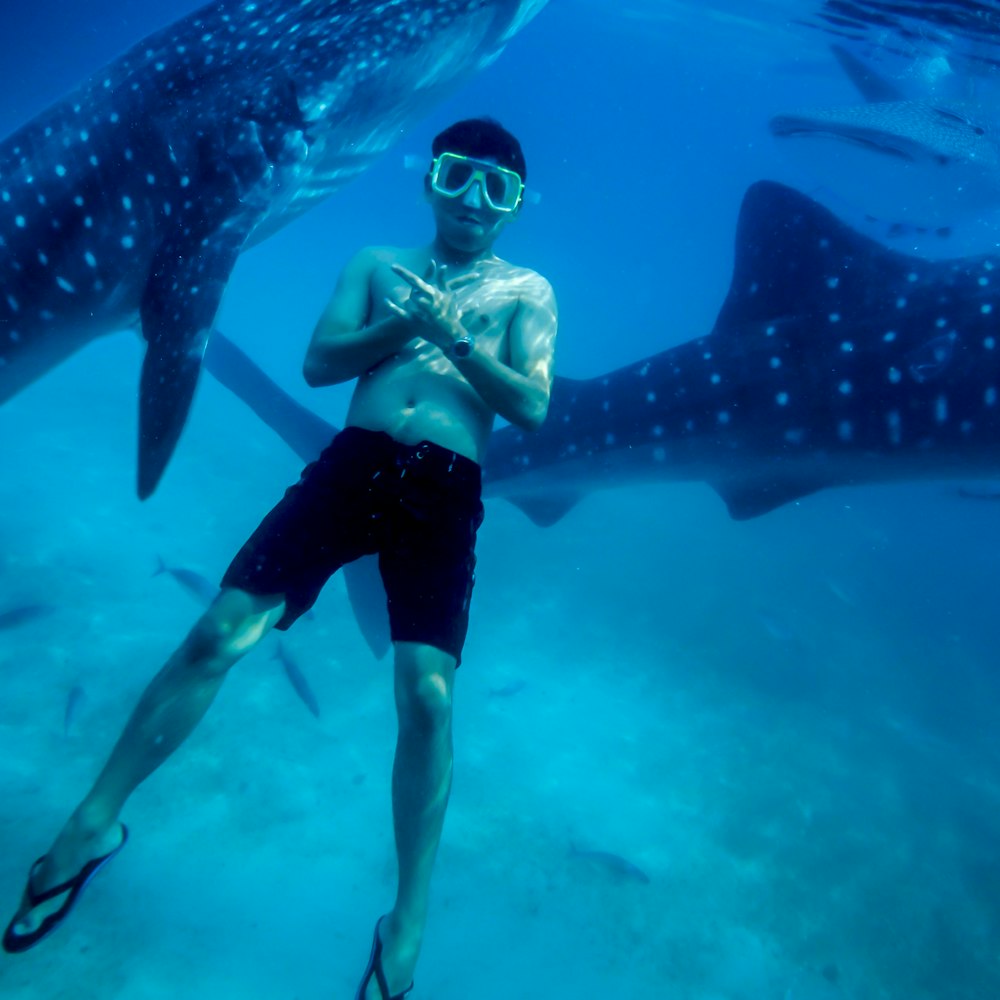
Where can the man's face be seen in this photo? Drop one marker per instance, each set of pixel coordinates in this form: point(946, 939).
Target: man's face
point(467, 221)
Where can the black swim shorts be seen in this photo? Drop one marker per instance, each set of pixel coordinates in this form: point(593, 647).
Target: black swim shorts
point(417, 506)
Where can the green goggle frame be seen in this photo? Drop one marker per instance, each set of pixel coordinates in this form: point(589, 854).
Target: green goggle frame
point(452, 174)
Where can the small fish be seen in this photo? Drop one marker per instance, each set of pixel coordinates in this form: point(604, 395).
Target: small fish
point(614, 863)
point(841, 594)
point(74, 701)
point(198, 586)
point(775, 627)
point(297, 679)
point(508, 689)
point(21, 614)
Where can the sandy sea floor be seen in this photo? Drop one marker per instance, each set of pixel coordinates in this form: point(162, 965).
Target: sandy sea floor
point(740, 710)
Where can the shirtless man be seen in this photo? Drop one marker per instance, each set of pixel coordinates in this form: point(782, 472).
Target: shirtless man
point(441, 339)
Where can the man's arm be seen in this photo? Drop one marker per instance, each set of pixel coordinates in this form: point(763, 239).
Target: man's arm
point(342, 346)
point(518, 392)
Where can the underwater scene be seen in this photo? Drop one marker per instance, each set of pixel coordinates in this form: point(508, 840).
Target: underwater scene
point(725, 720)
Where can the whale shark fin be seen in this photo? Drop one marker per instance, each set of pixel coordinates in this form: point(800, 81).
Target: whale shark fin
point(305, 432)
point(187, 277)
point(546, 510)
point(870, 85)
point(176, 325)
point(745, 500)
point(366, 593)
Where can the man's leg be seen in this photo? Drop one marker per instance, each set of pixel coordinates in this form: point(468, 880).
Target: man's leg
point(169, 709)
point(421, 782)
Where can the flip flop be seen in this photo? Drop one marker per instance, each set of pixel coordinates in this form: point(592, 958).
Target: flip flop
point(374, 968)
point(14, 942)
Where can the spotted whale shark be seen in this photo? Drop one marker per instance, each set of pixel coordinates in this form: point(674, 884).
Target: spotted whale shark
point(913, 158)
point(833, 362)
point(128, 202)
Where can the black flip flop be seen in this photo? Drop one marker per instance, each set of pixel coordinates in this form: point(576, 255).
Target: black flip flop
point(374, 968)
point(14, 942)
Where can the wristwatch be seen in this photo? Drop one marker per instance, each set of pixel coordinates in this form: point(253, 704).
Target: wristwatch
point(462, 347)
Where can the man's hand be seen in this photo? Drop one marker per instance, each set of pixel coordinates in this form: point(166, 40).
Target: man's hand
point(431, 304)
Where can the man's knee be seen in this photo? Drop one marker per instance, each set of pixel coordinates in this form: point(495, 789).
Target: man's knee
point(424, 678)
point(232, 626)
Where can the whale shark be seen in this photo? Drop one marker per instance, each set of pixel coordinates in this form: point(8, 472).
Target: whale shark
point(128, 202)
point(906, 155)
point(833, 362)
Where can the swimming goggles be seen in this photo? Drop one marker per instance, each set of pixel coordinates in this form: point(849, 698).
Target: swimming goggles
point(453, 174)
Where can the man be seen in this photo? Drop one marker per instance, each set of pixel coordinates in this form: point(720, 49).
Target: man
point(442, 339)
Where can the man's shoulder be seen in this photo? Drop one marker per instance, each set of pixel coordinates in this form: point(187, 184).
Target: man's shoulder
point(528, 281)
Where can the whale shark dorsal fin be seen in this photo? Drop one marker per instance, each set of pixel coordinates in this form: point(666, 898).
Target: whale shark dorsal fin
point(822, 266)
point(545, 511)
point(870, 85)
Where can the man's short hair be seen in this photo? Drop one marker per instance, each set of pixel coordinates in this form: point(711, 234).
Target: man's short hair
point(480, 138)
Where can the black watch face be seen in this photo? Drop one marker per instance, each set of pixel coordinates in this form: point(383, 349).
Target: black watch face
point(463, 347)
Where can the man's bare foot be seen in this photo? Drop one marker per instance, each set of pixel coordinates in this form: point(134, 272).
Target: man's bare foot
point(64, 864)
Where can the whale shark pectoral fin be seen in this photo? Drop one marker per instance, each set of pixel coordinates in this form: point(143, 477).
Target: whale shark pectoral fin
point(545, 511)
point(178, 307)
point(366, 593)
point(305, 432)
point(870, 85)
point(746, 499)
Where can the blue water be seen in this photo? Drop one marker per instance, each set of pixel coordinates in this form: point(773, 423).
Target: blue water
point(787, 723)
